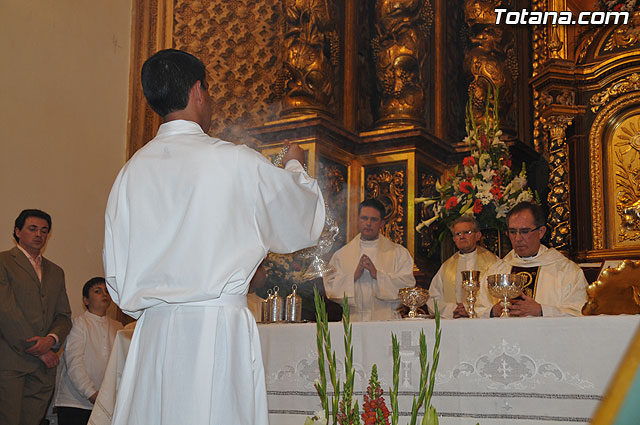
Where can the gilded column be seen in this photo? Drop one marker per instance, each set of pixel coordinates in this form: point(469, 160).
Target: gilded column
point(306, 81)
point(491, 62)
point(399, 48)
point(558, 198)
point(539, 57)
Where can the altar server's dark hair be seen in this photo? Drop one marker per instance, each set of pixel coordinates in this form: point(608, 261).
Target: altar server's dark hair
point(167, 78)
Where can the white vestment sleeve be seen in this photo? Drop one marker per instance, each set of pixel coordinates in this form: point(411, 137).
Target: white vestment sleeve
point(401, 276)
point(114, 250)
point(74, 359)
point(573, 296)
point(436, 292)
point(290, 210)
point(341, 282)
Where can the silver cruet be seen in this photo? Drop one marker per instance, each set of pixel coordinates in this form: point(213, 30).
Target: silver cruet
point(294, 306)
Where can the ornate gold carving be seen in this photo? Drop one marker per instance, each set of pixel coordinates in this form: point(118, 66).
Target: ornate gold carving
point(238, 43)
point(596, 140)
point(399, 49)
point(491, 62)
point(427, 190)
point(625, 35)
point(389, 189)
point(626, 148)
point(630, 83)
point(332, 178)
point(539, 57)
point(305, 82)
point(616, 291)
point(558, 198)
point(555, 45)
point(589, 36)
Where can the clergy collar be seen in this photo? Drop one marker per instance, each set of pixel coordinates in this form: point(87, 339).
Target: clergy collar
point(468, 253)
point(369, 243)
point(531, 257)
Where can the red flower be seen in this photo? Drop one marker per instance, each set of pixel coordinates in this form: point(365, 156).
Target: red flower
point(507, 163)
point(477, 206)
point(484, 142)
point(469, 161)
point(465, 187)
point(451, 203)
point(496, 192)
point(375, 410)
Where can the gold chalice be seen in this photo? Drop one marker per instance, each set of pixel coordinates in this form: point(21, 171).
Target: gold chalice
point(413, 298)
point(505, 286)
point(471, 285)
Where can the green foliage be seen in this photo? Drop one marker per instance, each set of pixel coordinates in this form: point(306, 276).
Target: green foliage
point(344, 410)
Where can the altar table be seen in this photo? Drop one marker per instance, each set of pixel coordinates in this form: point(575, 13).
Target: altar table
point(493, 371)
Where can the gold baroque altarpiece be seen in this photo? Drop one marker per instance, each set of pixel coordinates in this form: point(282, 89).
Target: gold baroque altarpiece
point(357, 141)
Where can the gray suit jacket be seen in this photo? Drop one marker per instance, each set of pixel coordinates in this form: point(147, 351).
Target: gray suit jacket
point(29, 308)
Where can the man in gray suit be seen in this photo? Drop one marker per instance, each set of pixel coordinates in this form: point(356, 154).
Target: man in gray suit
point(35, 318)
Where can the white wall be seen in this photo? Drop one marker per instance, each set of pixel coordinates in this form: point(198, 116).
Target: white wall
point(64, 77)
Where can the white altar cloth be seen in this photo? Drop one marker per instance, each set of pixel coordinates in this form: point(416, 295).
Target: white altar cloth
point(494, 371)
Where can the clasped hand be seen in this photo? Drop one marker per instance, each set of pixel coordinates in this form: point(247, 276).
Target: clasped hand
point(41, 346)
point(460, 311)
point(42, 350)
point(365, 263)
point(520, 307)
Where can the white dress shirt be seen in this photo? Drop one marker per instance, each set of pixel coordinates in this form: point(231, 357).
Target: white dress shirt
point(84, 360)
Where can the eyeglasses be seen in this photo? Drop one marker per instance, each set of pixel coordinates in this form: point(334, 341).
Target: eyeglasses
point(523, 232)
point(465, 233)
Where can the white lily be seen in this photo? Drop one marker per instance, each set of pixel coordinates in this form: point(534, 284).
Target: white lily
point(427, 201)
point(426, 223)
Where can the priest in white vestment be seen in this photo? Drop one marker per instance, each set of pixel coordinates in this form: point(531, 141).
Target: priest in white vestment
point(188, 221)
point(370, 269)
point(446, 285)
point(554, 285)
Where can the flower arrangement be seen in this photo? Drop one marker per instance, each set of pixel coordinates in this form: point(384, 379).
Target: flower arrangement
point(616, 5)
point(484, 185)
point(344, 408)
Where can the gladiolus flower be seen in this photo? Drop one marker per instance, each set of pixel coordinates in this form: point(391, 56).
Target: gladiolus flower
point(451, 203)
point(496, 192)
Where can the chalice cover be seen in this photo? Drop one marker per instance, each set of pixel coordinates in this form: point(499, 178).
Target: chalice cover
point(530, 275)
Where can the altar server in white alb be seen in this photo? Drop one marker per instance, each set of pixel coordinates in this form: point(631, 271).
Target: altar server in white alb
point(446, 285)
point(188, 221)
point(555, 285)
point(370, 269)
point(85, 357)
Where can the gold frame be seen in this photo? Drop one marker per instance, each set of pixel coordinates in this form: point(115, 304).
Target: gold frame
point(401, 155)
point(601, 129)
